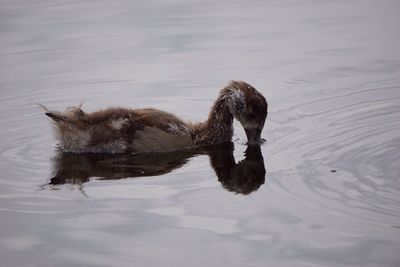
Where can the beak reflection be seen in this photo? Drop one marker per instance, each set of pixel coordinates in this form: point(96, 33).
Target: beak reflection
point(253, 136)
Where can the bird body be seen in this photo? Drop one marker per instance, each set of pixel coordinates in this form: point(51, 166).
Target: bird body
point(123, 130)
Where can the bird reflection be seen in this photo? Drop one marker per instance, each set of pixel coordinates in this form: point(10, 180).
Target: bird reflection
point(243, 177)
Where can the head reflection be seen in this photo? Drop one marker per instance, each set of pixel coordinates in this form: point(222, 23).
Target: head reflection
point(243, 177)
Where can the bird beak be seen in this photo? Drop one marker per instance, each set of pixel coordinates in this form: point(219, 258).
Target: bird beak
point(253, 136)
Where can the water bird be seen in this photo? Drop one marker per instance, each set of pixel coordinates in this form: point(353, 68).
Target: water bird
point(124, 130)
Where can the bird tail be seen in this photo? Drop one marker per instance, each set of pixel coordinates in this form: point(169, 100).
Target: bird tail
point(70, 115)
point(56, 117)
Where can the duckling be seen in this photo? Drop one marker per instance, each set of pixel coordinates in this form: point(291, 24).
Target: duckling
point(123, 130)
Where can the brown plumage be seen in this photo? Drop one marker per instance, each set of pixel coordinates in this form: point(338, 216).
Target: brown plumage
point(122, 130)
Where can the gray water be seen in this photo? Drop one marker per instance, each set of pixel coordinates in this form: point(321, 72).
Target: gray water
point(330, 71)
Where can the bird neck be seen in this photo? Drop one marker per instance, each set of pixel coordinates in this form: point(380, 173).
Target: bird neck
point(218, 128)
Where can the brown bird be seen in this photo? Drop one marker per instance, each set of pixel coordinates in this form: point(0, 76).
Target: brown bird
point(123, 130)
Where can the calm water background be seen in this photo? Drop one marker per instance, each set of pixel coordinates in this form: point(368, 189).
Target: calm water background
point(329, 69)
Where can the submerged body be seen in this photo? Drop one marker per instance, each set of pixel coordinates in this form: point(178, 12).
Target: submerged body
point(121, 130)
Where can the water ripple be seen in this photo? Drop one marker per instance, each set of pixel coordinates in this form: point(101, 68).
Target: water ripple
point(345, 154)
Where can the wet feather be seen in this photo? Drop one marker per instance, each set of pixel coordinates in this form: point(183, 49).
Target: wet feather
point(123, 130)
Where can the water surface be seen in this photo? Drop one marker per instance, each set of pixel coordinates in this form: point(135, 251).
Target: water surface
point(331, 193)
